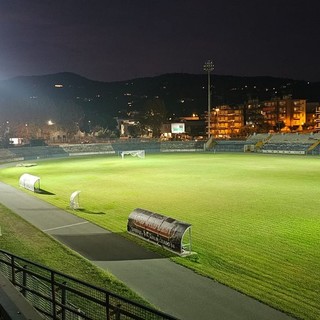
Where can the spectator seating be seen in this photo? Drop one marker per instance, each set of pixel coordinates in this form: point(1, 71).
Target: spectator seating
point(181, 146)
point(152, 146)
point(229, 146)
point(88, 149)
point(291, 143)
point(28, 153)
point(7, 155)
point(255, 138)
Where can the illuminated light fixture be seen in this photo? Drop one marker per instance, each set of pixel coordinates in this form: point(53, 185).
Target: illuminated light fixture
point(58, 85)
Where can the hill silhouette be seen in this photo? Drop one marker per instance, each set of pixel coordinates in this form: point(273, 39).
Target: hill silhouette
point(57, 95)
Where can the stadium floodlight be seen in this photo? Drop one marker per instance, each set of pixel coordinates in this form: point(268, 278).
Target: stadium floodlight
point(208, 67)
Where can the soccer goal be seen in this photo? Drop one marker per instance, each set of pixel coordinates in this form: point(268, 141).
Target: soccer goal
point(134, 153)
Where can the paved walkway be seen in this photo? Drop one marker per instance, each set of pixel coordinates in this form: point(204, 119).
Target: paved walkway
point(174, 289)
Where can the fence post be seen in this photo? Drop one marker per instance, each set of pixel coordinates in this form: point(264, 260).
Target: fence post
point(63, 299)
point(108, 306)
point(13, 273)
point(53, 296)
point(24, 280)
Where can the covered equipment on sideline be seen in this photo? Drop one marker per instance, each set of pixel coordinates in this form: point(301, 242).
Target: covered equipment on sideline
point(30, 182)
point(74, 200)
point(164, 231)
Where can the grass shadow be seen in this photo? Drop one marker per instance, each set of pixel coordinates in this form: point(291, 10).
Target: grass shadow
point(90, 212)
point(150, 245)
point(45, 192)
point(106, 246)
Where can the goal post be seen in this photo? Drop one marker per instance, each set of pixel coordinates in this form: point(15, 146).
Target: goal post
point(134, 153)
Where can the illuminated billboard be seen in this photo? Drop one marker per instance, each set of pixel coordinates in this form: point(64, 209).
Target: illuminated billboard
point(177, 128)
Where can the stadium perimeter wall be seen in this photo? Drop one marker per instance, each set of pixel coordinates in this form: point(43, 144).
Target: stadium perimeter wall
point(111, 148)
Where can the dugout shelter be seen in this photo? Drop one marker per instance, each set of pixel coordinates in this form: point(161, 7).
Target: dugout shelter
point(30, 182)
point(170, 233)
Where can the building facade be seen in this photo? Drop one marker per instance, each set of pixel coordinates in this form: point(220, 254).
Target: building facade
point(284, 114)
point(317, 120)
point(277, 115)
point(225, 122)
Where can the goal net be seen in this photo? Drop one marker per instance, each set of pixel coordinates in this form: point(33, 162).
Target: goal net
point(134, 153)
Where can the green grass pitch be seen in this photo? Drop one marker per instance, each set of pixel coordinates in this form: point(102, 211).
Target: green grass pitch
point(255, 218)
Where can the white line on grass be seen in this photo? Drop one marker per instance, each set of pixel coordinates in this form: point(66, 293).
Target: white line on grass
point(68, 225)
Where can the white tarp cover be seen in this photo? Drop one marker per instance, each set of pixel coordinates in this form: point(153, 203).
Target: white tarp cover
point(74, 200)
point(30, 182)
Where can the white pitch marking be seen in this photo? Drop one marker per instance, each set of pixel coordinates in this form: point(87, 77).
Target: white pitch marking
point(69, 225)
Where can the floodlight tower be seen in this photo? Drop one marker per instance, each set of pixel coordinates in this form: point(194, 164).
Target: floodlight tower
point(208, 67)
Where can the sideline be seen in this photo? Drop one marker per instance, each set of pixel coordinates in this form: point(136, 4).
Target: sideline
point(65, 226)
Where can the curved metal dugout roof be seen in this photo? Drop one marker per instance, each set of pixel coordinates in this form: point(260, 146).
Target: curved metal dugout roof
point(158, 228)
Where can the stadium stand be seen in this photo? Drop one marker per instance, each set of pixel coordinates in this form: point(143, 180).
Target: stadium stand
point(229, 146)
point(29, 153)
point(152, 146)
point(286, 143)
point(181, 146)
point(255, 138)
point(88, 149)
point(6, 155)
point(291, 143)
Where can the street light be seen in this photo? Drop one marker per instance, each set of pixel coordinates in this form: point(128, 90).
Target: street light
point(208, 67)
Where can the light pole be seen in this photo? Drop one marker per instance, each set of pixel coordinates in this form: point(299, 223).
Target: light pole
point(208, 67)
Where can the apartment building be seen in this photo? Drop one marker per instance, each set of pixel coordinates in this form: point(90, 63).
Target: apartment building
point(284, 114)
point(317, 120)
point(225, 122)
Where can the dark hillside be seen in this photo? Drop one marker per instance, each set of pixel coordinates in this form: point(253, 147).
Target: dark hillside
point(40, 97)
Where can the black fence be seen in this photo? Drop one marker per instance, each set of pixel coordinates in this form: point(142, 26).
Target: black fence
point(58, 296)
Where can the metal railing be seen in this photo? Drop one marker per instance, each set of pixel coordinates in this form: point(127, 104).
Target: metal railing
point(58, 296)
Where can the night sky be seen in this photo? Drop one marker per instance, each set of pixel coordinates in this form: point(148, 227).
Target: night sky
point(124, 39)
